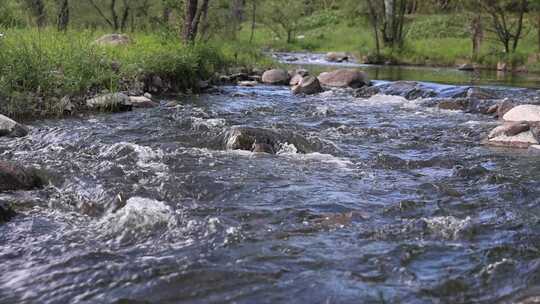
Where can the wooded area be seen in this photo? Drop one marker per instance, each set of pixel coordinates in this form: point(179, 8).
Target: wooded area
point(381, 31)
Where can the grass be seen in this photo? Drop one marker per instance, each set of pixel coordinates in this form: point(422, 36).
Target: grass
point(38, 68)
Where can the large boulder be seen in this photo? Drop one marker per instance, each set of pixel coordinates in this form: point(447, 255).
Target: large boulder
point(14, 177)
point(523, 113)
point(110, 102)
point(466, 67)
point(113, 40)
point(276, 76)
point(308, 85)
point(344, 78)
point(336, 57)
point(262, 140)
point(11, 128)
point(515, 134)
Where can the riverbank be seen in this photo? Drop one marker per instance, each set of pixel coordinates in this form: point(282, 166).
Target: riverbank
point(432, 41)
point(42, 69)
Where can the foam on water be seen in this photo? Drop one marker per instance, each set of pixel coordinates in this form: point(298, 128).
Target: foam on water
point(140, 217)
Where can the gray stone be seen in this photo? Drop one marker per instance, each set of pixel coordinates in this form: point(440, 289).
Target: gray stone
point(14, 177)
point(307, 86)
point(276, 77)
point(344, 78)
point(11, 128)
point(244, 138)
point(336, 57)
point(466, 67)
point(523, 113)
point(142, 102)
point(113, 101)
point(113, 40)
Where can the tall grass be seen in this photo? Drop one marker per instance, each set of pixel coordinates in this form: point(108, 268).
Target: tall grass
point(38, 68)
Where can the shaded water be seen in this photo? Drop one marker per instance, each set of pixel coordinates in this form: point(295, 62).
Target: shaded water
point(401, 204)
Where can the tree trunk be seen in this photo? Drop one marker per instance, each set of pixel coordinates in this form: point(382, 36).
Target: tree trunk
point(254, 18)
point(37, 7)
point(477, 35)
point(538, 29)
point(522, 9)
point(125, 16)
point(114, 15)
point(63, 15)
point(190, 12)
point(375, 26)
point(166, 15)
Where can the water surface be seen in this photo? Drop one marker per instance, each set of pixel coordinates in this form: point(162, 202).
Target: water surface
point(400, 204)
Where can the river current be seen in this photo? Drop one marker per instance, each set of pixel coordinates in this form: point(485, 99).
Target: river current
point(400, 203)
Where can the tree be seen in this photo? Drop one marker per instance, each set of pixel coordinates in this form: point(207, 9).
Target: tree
point(477, 35)
point(534, 6)
point(253, 19)
point(63, 15)
point(282, 16)
point(387, 19)
point(193, 14)
point(507, 20)
point(116, 20)
point(37, 8)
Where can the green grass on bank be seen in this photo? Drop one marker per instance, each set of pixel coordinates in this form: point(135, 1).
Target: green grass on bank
point(38, 68)
point(439, 40)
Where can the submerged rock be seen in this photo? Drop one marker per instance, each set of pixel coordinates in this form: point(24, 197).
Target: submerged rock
point(14, 177)
point(275, 76)
point(11, 128)
point(344, 78)
point(110, 102)
point(6, 212)
point(407, 89)
point(262, 140)
point(308, 85)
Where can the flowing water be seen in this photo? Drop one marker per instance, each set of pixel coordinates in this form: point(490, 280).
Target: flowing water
point(399, 203)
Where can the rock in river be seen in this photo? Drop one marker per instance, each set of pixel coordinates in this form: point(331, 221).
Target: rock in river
point(14, 177)
point(523, 113)
point(262, 140)
point(308, 85)
point(336, 57)
point(6, 212)
point(344, 78)
point(11, 128)
point(275, 76)
point(516, 134)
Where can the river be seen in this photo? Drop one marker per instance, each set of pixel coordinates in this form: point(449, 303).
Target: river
point(400, 203)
